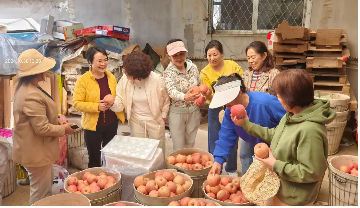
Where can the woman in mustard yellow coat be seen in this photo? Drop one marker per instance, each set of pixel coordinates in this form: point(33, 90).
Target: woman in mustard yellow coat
point(100, 124)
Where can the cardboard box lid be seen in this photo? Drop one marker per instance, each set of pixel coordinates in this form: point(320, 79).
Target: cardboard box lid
point(130, 49)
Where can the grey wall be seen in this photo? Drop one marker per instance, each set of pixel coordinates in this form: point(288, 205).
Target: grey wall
point(157, 21)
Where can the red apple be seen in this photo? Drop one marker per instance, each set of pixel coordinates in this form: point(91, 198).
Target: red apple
point(212, 195)
point(189, 159)
point(198, 166)
point(352, 165)
point(261, 150)
point(120, 204)
point(178, 165)
point(86, 174)
point(205, 157)
point(202, 203)
point(185, 166)
point(139, 181)
point(236, 199)
point(225, 180)
point(80, 186)
point(179, 180)
point(102, 173)
point(91, 178)
point(228, 200)
point(207, 188)
point(232, 196)
point(164, 192)
point(78, 192)
point(171, 185)
point(102, 182)
point(151, 185)
point(196, 157)
point(172, 194)
point(72, 181)
point(159, 173)
point(236, 182)
point(160, 181)
point(94, 189)
point(231, 188)
point(180, 158)
point(221, 195)
point(204, 88)
point(108, 185)
point(86, 183)
point(184, 201)
point(344, 58)
point(86, 190)
point(154, 193)
point(169, 176)
point(110, 178)
point(174, 203)
point(345, 169)
point(142, 189)
point(80, 182)
point(208, 164)
point(71, 188)
point(238, 111)
point(179, 189)
point(201, 100)
point(193, 202)
point(187, 185)
point(215, 189)
point(213, 180)
point(171, 160)
point(354, 172)
point(211, 204)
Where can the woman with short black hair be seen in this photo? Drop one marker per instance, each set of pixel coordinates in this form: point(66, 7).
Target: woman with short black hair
point(100, 124)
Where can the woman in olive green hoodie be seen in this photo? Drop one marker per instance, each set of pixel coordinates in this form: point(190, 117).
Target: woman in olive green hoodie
point(298, 144)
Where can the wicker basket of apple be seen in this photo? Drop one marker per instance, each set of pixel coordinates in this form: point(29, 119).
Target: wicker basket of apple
point(98, 185)
point(161, 187)
point(224, 190)
point(123, 203)
point(187, 201)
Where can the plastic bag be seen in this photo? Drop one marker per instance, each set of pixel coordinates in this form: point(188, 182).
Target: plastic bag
point(79, 157)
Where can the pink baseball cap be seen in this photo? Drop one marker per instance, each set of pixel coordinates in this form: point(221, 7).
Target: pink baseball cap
point(175, 47)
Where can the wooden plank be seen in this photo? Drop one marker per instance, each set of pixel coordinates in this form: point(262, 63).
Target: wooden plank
point(353, 101)
point(327, 70)
point(331, 87)
point(328, 37)
point(291, 32)
point(290, 48)
point(340, 79)
point(314, 48)
point(278, 39)
point(324, 62)
point(1, 102)
point(290, 55)
point(7, 103)
point(324, 54)
point(285, 61)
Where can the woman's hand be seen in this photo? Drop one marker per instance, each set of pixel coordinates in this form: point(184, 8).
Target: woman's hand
point(216, 168)
point(196, 103)
point(269, 162)
point(62, 119)
point(103, 106)
point(189, 96)
point(239, 121)
point(68, 129)
point(208, 94)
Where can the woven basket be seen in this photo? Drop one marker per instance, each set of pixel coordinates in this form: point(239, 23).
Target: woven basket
point(9, 184)
point(338, 102)
point(105, 196)
point(68, 199)
point(341, 116)
point(343, 187)
point(334, 132)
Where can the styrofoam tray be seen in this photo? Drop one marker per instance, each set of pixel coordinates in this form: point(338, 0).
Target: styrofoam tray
point(135, 147)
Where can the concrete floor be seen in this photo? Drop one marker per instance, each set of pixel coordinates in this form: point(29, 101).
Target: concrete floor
point(21, 195)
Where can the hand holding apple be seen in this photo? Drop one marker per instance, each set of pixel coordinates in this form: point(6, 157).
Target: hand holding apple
point(269, 162)
point(239, 121)
point(216, 168)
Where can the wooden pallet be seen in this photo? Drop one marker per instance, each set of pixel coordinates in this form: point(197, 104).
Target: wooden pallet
point(324, 62)
point(289, 61)
point(278, 39)
point(327, 70)
point(338, 78)
point(331, 86)
point(290, 48)
point(329, 37)
point(287, 67)
point(289, 55)
point(324, 53)
point(292, 32)
point(323, 48)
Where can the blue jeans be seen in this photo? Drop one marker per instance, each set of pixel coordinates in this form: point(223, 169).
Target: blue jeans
point(246, 155)
point(214, 127)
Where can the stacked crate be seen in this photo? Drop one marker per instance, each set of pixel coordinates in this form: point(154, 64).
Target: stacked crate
point(290, 46)
point(325, 60)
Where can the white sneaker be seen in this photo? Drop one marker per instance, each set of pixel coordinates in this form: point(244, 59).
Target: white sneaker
point(233, 174)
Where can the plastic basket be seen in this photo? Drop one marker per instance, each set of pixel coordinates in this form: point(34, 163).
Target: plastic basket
point(343, 187)
point(334, 132)
point(20, 173)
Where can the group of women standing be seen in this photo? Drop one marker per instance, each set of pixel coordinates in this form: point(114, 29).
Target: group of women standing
point(149, 100)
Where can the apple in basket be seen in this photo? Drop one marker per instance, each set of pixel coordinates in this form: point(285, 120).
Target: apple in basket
point(111, 179)
point(154, 193)
point(180, 158)
point(139, 181)
point(221, 195)
point(174, 203)
point(225, 181)
point(261, 150)
point(80, 186)
point(345, 169)
point(205, 157)
point(84, 177)
point(179, 180)
point(189, 159)
point(120, 204)
point(159, 173)
point(102, 182)
point(193, 202)
point(211, 204)
point(169, 176)
point(231, 188)
point(160, 181)
point(212, 195)
point(142, 189)
point(151, 185)
point(352, 165)
point(71, 188)
point(185, 201)
point(208, 164)
point(171, 185)
point(196, 158)
point(213, 180)
point(94, 189)
point(86, 190)
point(187, 185)
point(164, 192)
point(91, 178)
point(171, 160)
point(354, 172)
point(72, 181)
point(236, 182)
point(202, 203)
point(179, 189)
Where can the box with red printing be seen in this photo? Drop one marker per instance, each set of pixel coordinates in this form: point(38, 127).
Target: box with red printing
point(114, 28)
point(118, 35)
point(87, 31)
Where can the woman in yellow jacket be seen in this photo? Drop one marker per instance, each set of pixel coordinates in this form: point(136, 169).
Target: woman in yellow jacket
point(218, 67)
point(100, 124)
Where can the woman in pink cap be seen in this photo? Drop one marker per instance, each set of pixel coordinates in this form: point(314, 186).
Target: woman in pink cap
point(184, 115)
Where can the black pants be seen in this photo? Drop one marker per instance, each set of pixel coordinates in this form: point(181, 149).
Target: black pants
point(93, 141)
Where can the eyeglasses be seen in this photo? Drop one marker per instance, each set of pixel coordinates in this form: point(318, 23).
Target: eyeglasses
point(102, 61)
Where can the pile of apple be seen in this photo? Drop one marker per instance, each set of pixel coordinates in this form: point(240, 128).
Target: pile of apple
point(187, 201)
point(223, 189)
point(166, 184)
point(351, 168)
point(202, 89)
point(90, 183)
point(194, 161)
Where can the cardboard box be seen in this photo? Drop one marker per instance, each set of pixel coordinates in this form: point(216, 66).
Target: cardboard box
point(60, 24)
point(114, 28)
point(118, 35)
point(87, 31)
point(70, 31)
